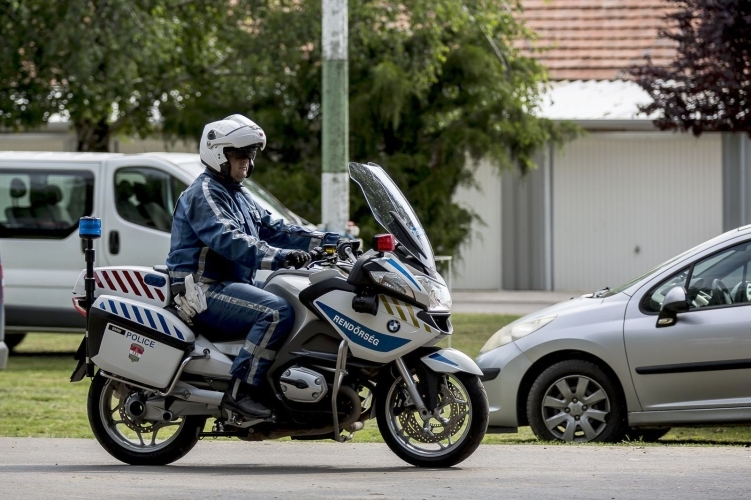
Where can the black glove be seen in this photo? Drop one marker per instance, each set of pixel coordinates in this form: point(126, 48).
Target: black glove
point(296, 259)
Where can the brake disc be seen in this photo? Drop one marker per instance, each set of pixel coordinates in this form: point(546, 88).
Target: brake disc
point(448, 400)
point(128, 420)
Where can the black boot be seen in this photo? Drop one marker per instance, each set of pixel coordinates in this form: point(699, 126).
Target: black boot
point(242, 403)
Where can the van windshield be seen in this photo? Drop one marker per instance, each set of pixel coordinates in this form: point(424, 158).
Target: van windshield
point(259, 194)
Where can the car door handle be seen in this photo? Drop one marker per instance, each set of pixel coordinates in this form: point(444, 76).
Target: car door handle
point(114, 242)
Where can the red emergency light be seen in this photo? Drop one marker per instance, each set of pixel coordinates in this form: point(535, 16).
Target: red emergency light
point(384, 243)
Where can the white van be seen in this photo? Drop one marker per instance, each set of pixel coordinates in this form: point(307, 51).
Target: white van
point(42, 196)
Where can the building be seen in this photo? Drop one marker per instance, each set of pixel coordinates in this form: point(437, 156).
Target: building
point(619, 200)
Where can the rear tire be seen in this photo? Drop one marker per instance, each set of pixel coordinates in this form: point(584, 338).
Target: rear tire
point(119, 441)
point(13, 339)
point(465, 410)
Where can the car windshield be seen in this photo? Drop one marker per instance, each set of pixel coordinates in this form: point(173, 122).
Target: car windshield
point(392, 210)
point(267, 201)
point(634, 281)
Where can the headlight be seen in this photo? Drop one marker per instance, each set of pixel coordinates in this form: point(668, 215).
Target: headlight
point(437, 291)
point(393, 282)
point(509, 333)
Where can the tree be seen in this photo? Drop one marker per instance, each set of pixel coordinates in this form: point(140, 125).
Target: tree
point(105, 66)
point(707, 87)
point(434, 87)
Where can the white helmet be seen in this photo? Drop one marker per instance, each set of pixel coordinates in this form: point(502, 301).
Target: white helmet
point(234, 132)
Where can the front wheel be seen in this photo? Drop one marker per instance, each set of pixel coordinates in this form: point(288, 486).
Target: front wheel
point(115, 414)
point(576, 401)
point(452, 434)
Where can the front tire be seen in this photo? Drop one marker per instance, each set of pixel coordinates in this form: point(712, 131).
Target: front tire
point(456, 430)
point(123, 437)
point(646, 435)
point(576, 401)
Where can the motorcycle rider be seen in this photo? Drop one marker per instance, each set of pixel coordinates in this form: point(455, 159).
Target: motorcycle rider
point(220, 237)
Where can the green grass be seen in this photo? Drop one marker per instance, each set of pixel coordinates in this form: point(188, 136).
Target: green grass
point(37, 400)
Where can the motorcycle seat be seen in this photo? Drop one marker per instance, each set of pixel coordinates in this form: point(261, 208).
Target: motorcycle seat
point(212, 334)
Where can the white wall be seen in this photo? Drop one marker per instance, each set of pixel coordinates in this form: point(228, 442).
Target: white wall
point(41, 141)
point(66, 141)
point(480, 264)
point(625, 202)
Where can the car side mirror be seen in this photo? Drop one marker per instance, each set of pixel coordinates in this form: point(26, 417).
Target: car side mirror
point(675, 302)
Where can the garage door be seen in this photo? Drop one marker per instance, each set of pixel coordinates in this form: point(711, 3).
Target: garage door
point(625, 202)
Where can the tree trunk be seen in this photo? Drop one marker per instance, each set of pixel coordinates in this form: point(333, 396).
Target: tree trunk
point(93, 136)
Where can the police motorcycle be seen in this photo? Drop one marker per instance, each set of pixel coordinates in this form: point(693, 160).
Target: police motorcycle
point(362, 347)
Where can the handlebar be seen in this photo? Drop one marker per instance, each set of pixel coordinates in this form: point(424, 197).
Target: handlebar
point(350, 256)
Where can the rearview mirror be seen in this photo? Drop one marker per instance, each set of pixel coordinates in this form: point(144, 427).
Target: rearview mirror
point(675, 302)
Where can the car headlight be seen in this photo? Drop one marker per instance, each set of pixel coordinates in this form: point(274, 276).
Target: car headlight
point(392, 281)
point(515, 331)
point(437, 291)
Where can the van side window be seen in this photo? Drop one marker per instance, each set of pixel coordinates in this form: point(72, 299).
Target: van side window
point(147, 196)
point(44, 203)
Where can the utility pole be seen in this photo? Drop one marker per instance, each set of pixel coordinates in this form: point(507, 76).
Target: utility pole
point(334, 180)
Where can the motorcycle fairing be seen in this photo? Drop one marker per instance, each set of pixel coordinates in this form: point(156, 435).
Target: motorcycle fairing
point(390, 263)
point(369, 336)
point(451, 361)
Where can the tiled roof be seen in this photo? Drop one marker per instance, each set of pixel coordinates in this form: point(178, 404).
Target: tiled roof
point(596, 39)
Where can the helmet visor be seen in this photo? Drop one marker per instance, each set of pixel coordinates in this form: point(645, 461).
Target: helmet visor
point(248, 152)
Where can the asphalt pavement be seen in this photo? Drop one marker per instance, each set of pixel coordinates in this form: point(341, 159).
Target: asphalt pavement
point(33, 469)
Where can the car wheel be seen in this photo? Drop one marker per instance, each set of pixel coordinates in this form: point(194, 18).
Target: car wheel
point(646, 435)
point(575, 401)
point(13, 339)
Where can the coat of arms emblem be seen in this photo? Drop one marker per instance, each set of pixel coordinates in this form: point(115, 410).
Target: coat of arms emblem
point(135, 352)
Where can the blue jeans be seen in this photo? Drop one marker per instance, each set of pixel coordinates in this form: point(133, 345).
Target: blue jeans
point(242, 309)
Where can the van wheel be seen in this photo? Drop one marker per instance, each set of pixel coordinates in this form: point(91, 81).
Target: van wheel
point(576, 401)
point(646, 435)
point(13, 339)
point(115, 414)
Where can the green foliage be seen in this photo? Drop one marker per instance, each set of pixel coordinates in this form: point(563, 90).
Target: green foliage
point(434, 87)
point(101, 65)
point(705, 87)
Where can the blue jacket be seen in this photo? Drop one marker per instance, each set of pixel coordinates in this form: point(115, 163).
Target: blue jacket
point(220, 233)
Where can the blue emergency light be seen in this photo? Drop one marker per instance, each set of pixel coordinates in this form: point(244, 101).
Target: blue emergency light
point(90, 227)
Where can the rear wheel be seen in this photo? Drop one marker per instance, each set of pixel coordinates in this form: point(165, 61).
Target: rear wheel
point(454, 432)
point(13, 339)
point(114, 409)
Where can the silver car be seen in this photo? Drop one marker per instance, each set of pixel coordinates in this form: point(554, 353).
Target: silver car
point(669, 348)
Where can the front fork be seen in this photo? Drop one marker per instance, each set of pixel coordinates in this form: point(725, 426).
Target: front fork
point(412, 389)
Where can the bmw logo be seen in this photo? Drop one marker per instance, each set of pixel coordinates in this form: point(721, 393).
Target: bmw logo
point(393, 326)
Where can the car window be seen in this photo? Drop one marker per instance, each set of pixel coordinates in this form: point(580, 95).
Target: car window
point(44, 203)
point(722, 279)
point(653, 300)
point(265, 199)
point(147, 196)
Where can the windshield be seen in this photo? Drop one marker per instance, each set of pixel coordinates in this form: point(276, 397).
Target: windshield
point(392, 210)
point(259, 194)
point(267, 201)
point(634, 281)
